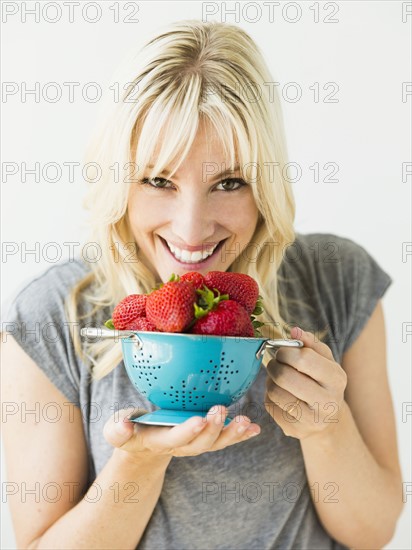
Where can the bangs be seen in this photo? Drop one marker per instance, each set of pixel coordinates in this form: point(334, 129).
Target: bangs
point(166, 133)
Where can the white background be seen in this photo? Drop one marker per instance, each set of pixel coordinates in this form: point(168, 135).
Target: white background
point(366, 133)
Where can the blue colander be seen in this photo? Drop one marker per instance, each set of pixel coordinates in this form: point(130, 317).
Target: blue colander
point(186, 374)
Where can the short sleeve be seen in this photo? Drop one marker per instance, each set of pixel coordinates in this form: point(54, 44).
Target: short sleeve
point(366, 283)
point(36, 319)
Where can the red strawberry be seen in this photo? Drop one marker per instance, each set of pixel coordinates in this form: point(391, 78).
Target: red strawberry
point(240, 287)
point(171, 308)
point(228, 319)
point(142, 323)
point(129, 309)
point(193, 277)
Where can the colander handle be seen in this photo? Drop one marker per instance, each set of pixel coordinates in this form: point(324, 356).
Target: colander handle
point(94, 332)
point(278, 344)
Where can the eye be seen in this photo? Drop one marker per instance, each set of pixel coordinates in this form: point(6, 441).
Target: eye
point(231, 184)
point(157, 183)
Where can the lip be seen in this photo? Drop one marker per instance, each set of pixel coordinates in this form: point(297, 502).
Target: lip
point(194, 266)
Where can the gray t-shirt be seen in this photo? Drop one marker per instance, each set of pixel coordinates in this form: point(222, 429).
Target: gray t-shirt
point(251, 495)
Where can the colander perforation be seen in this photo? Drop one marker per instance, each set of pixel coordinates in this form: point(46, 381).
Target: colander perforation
point(176, 376)
point(193, 372)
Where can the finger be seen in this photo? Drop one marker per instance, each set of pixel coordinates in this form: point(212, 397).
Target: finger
point(288, 424)
point(163, 438)
point(308, 361)
point(297, 383)
point(213, 425)
point(310, 341)
point(289, 403)
point(239, 429)
point(119, 429)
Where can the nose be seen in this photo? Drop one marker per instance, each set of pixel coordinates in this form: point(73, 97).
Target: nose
point(193, 220)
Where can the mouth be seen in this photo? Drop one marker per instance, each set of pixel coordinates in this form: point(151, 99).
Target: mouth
point(195, 259)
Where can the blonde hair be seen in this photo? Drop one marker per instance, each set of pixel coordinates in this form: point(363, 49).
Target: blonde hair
point(190, 72)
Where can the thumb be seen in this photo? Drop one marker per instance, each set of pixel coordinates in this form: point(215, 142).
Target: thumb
point(119, 428)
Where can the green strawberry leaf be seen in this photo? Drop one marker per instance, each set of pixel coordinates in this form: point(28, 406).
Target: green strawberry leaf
point(256, 326)
point(206, 297)
point(258, 307)
point(200, 312)
point(207, 301)
point(174, 278)
point(219, 296)
point(109, 324)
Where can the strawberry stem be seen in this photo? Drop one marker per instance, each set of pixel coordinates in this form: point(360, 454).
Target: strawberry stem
point(207, 301)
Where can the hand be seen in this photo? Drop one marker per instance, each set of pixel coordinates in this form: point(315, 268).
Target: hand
point(193, 437)
point(305, 388)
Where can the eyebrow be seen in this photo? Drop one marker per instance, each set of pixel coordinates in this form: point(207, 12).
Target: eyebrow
point(213, 176)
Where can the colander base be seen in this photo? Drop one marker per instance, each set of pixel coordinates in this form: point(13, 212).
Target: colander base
point(168, 417)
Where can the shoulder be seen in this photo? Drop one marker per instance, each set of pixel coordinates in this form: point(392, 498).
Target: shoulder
point(48, 290)
point(330, 258)
point(338, 277)
point(59, 277)
point(36, 319)
point(328, 248)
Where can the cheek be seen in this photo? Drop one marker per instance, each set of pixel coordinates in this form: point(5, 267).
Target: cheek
point(145, 215)
point(239, 214)
point(245, 217)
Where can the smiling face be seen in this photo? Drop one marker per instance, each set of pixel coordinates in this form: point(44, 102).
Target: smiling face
point(196, 220)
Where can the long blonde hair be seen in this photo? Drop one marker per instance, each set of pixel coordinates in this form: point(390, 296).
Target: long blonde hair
point(190, 71)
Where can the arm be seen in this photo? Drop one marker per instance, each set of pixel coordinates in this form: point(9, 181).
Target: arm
point(128, 493)
point(360, 453)
point(39, 452)
point(357, 453)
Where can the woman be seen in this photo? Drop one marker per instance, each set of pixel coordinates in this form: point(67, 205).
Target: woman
point(191, 159)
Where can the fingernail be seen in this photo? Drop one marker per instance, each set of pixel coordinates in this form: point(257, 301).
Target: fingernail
point(251, 432)
point(121, 426)
point(219, 419)
point(219, 414)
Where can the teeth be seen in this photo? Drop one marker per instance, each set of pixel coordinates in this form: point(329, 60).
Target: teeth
point(186, 256)
point(190, 257)
point(196, 256)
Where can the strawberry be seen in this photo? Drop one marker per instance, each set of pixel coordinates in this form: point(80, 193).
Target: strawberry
point(229, 318)
point(129, 309)
point(171, 308)
point(193, 277)
point(142, 323)
point(240, 287)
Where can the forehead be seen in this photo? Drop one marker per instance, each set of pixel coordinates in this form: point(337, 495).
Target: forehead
point(202, 145)
point(206, 144)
